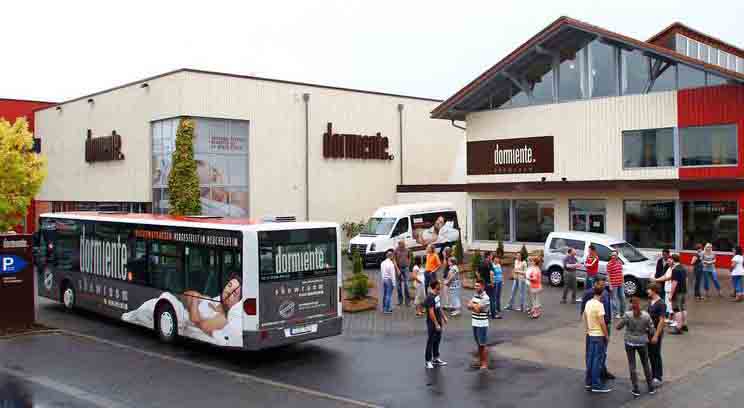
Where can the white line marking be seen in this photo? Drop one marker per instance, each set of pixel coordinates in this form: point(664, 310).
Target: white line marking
point(223, 371)
point(74, 392)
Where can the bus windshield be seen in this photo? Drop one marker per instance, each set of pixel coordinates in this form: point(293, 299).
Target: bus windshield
point(378, 226)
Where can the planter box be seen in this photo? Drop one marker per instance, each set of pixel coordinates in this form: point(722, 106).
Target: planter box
point(359, 305)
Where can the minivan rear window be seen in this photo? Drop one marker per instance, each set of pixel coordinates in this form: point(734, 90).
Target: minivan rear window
point(562, 244)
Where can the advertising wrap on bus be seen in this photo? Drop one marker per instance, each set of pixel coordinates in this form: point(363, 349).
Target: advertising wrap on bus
point(298, 276)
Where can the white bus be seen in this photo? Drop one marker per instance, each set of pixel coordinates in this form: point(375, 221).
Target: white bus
point(228, 282)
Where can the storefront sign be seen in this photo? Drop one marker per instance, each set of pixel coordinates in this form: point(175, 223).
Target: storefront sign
point(511, 156)
point(342, 145)
point(104, 148)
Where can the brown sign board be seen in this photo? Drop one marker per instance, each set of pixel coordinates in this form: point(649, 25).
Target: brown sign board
point(103, 148)
point(352, 146)
point(511, 156)
point(17, 282)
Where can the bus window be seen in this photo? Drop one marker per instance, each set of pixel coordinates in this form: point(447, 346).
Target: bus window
point(137, 265)
point(201, 271)
point(66, 245)
point(165, 268)
point(231, 265)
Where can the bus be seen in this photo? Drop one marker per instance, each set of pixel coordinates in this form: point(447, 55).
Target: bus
point(228, 282)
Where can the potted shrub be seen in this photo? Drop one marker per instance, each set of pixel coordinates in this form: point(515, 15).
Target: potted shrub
point(357, 288)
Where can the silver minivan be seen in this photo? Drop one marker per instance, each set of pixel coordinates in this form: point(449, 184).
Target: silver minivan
point(637, 269)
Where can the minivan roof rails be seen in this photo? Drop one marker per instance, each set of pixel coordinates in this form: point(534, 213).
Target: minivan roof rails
point(285, 218)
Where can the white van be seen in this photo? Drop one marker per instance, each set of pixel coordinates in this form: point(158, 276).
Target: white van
point(417, 224)
point(637, 269)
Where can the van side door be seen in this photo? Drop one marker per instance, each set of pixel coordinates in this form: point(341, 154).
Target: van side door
point(402, 232)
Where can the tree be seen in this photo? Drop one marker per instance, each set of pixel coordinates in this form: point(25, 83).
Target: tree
point(183, 181)
point(21, 172)
point(359, 286)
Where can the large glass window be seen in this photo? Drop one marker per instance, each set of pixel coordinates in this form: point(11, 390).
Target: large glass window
point(635, 72)
point(650, 224)
point(602, 69)
point(542, 89)
point(665, 75)
point(648, 148)
point(716, 222)
point(534, 220)
point(221, 154)
point(708, 145)
point(570, 87)
point(690, 77)
point(491, 220)
point(713, 80)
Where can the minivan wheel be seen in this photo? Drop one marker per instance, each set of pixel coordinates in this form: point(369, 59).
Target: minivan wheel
point(555, 275)
point(630, 286)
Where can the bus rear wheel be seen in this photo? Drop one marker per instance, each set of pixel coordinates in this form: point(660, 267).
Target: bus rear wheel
point(166, 323)
point(68, 296)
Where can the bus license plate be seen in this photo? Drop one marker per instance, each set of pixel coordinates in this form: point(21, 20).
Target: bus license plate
point(299, 331)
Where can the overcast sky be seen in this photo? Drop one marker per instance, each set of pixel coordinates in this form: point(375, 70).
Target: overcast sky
point(57, 50)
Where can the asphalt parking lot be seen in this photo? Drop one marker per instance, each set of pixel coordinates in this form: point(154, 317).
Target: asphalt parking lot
point(378, 361)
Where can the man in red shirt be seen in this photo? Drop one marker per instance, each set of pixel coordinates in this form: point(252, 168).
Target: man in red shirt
point(591, 265)
point(615, 273)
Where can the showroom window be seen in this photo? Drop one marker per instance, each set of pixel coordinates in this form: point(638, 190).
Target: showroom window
point(716, 222)
point(602, 72)
point(491, 220)
point(221, 154)
point(571, 85)
point(650, 224)
point(534, 220)
point(648, 148)
point(708, 145)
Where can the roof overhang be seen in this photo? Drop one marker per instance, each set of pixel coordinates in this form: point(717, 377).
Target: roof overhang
point(563, 33)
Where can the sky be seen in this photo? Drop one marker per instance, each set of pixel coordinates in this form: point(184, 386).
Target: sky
point(58, 50)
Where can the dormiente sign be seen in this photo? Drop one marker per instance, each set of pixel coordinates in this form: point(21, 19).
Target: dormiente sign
point(352, 146)
point(511, 156)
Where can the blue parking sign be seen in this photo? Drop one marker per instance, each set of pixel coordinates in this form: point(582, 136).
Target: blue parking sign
point(11, 264)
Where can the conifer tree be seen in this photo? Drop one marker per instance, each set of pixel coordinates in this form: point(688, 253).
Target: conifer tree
point(183, 181)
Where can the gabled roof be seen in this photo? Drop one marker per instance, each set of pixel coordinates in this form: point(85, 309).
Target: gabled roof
point(687, 31)
point(562, 29)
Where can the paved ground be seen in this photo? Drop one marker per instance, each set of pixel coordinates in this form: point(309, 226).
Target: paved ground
point(379, 360)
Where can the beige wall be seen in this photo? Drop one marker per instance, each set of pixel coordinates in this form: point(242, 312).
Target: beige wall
point(587, 134)
point(340, 189)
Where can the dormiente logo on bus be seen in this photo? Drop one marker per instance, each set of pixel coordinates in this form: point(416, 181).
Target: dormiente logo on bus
point(103, 258)
point(290, 261)
point(516, 155)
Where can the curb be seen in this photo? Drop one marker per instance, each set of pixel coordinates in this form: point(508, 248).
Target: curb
point(31, 333)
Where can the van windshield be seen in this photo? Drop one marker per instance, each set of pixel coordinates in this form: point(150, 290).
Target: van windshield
point(629, 252)
point(378, 226)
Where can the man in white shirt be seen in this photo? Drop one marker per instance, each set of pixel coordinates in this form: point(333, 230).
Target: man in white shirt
point(479, 307)
point(387, 272)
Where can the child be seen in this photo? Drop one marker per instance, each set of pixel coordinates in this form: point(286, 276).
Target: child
point(417, 275)
point(535, 277)
point(453, 283)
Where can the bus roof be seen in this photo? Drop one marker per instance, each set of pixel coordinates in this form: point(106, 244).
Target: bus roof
point(223, 223)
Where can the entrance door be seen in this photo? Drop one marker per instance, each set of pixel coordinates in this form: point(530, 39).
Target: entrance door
point(588, 221)
point(596, 223)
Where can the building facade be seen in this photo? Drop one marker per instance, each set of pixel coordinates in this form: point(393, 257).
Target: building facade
point(585, 129)
point(263, 147)
point(10, 110)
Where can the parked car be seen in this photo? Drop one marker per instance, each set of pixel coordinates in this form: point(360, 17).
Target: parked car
point(417, 224)
point(637, 269)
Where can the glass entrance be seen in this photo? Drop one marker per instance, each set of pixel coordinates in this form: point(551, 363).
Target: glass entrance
point(588, 215)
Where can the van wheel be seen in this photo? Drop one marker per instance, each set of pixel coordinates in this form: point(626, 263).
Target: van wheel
point(166, 323)
point(630, 286)
point(68, 296)
point(555, 275)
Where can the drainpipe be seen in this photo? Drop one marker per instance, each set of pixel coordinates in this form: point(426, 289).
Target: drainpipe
point(400, 141)
point(457, 126)
point(306, 99)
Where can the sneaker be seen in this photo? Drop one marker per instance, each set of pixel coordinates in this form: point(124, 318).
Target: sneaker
point(507, 307)
point(429, 364)
point(657, 383)
point(618, 316)
point(635, 393)
point(652, 390)
point(498, 316)
point(602, 390)
point(685, 329)
point(608, 375)
point(578, 300)
point(676, 331)
point(519, 309)
point(588, 387)
point(439, 362)
point(455, 313)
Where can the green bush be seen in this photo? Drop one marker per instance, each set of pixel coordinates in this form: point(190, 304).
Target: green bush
point(524, 252)
point(475, 263)
point(359, 285)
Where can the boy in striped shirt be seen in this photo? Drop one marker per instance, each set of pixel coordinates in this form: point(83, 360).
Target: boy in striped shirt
point(479, 306)
point(615, 274)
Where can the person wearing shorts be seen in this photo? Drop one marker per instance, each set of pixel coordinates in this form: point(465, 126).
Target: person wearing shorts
point(679, 295)
point(479, 306)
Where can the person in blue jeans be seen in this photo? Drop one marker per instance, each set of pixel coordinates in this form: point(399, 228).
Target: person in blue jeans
point(709, 268)
point(388, 272)
point(597, 338)
point(498, 284)
point(402, 259)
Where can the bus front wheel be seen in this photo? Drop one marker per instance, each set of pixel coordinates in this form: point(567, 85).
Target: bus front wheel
point(166, 323)
point(68, 296)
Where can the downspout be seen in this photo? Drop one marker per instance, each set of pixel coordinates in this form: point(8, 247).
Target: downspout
point(457, 126)
point(306, 99)
point(400, 140)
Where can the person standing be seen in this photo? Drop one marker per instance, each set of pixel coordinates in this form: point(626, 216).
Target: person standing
point(402, 258)
point(597, 338)
point(697, 266)
point(737, 274)
point(443, 270)
point(535, 276)
point(709, 268)
point(606, 300)
point(388, 271)
point(435, 322)
point(661, 267)
point(453, 284)
point(479, 306)
point(418, 281)
point(679, 294)
point(657, 311)
point(485, 271)
point(498, 284)
point(639, 327)
point(615, 274)
point(432, 265)
point(592, 266)
point(519, 286)
point(570, 264)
